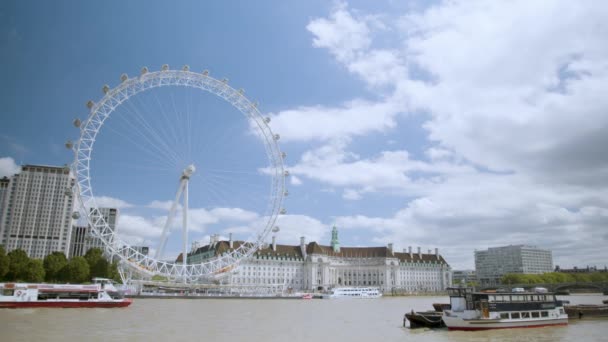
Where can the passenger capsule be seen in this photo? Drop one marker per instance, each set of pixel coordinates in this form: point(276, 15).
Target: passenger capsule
point(90, 104)
point(275, 229)
point(286, 193)
point(224, 80)
point(77, 123)
point(105, 88)
point(283, 155)
point(75, 215)
point(144, 71)
point(124, 77)
point(267, 119)
point(283, 211)
point(69, 144)
point(286, 173)
point(68, 192)
point(205, 72)
point(277, 137)
point(241, 91)
point(165, 67)
point(186, 68)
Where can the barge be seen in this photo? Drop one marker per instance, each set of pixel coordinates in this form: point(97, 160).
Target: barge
point(500, 310)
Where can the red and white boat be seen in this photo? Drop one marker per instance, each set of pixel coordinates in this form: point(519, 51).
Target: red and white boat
point(101, 294)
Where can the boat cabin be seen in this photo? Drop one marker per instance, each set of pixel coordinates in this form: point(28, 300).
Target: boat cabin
point(504, 305)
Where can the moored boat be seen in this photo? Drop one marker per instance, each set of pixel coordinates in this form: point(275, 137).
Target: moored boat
point(99, 295)
point(354, 292)
point(440, 307)
point(581, 311)
point(425, 319)
point(482, 311)
point(307, 296)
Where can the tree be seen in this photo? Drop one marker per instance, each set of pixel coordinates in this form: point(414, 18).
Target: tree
point(34, 273)
point(98, 265)
point(113, 272)
point(76, 270)
point(18, 264)
point(4, 263)
point(53, 264)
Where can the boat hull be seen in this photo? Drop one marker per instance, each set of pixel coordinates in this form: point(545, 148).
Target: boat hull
point(454, 323)
point(425, 320)
point(66, 304)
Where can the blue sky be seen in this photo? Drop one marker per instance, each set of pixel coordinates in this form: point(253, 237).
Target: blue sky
point(432, 124)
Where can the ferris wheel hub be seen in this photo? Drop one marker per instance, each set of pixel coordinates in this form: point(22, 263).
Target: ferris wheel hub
point(188, 171)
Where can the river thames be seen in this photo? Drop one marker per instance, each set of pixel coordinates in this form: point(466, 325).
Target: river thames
point(268, 320)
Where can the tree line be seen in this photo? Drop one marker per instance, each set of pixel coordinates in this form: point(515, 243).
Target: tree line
point(56, 268)
point(554, 278)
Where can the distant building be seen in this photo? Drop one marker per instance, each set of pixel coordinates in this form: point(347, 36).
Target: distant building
point(493, 263)
point(312, 266)
point(83, 238)
point(78, 244)
point(463, 277)
point(587, 269)
point(4, 195)
point(37, 214)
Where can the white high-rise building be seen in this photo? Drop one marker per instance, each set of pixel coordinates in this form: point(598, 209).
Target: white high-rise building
point(495, 262)
point(37, 216)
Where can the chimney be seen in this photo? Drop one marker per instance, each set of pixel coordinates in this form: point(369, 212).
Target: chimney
point(303, 246)
point(437, 253)
point(274, 243)
point(230, 241)
point(409, 250)
point(390, 248)
point(419, 253)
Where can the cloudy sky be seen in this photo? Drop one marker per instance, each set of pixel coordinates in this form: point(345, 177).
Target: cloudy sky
point(460, 125)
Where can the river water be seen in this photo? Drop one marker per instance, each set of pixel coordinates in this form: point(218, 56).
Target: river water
point(269, 321)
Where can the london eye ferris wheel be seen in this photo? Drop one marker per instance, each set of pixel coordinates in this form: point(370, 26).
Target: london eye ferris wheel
point(189, 145)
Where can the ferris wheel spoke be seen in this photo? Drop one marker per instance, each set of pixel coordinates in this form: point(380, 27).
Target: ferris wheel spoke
point(154, 138)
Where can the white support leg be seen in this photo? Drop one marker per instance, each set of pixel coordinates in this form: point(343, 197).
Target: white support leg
point(185, 228)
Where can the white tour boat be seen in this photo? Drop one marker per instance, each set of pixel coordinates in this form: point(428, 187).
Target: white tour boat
point(101, 294)
point(354, 292)
point(499, 310)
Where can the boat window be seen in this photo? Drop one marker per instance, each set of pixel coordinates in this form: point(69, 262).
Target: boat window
point(518, 298)
point(515, 315)
point(525, 315)
point(504, 315)
point(544, 314)
point(535, 314)
point(8, 292)
point(492, 298)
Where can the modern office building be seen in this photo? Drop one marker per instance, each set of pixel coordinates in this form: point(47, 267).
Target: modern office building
point(463, 277)
point(83, 238)
point(4, 192)
point(37, 214)
point(493, 263)
point(311, 266)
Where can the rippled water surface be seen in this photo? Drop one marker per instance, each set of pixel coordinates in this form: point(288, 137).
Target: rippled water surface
point(268, 320)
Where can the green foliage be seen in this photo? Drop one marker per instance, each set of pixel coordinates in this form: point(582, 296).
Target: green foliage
point(4, 263)
point(34, 273)
point(113, 272)
point(98, 265)
point(159, 278)
point(76, 271)
point(554, 278)
point(53, 264)
point(18, 265)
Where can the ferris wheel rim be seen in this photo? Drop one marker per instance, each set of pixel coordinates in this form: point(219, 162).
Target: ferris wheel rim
point(83, 149)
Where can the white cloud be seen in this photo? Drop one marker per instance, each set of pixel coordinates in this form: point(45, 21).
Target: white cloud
point(341, 34)
point(8, 167)
point(354, 118)
point(111, 202)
